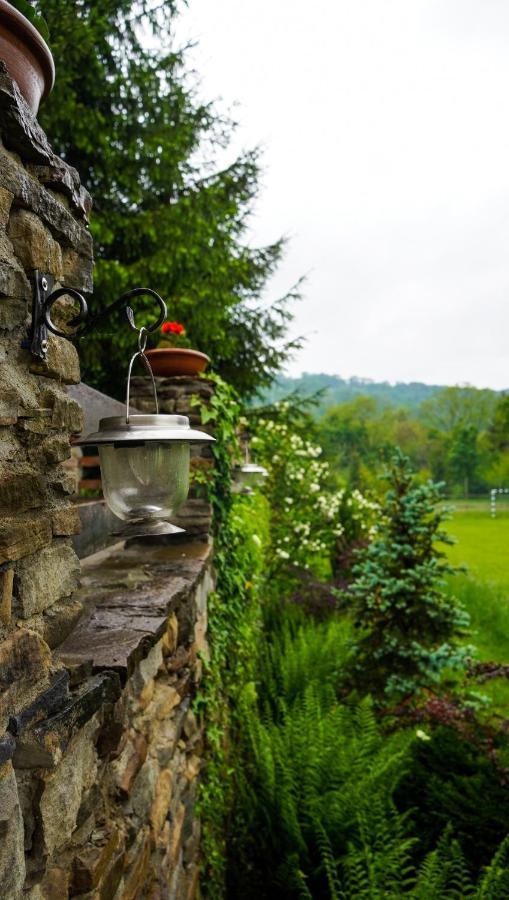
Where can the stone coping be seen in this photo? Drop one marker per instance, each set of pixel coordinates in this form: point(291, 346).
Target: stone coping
point(127, 593)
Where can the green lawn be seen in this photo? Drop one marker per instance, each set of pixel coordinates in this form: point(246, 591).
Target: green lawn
point(482, 542)
point(483, 546)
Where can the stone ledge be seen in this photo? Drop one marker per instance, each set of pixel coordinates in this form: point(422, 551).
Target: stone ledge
point(128, 594)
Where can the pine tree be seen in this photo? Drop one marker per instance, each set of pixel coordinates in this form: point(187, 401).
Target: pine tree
point(407, 628)
point(126, 113)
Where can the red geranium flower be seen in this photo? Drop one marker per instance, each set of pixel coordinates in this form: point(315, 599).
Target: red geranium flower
point(173, 328)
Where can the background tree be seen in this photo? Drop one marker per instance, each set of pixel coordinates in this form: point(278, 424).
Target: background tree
point(407, 627)
point(127, 116)
point(459, 407)
point(464, 456)
point(498, 430)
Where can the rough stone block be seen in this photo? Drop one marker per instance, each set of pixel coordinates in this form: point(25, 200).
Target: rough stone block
point(62, 363)
point(21, 535)
point(65, 521)
point(7, 748)
point(77, 271)
point(64, 180)
point(57, 622)
point(179, 660)
point(12, 855)
point(6, 583)
point(55, 884)
point(18, 125)
point(30, 195)
point(137, 865)
point(164, 738)
point(129, 762)
point(148, 668)
point(143, 789)
point(175, 845)
point(94, 865)
point(34, 426)
point(64, 789)
point(62, 481)
point(33, 244)
point(25, 663)
point(45, 577)
point(22, 492)
point(52, 450)
point(170, 639)
point(6, 199)
point(8, 406)
point(13, 281)
point(66, 413)
point(13, 312)
point(162, 800)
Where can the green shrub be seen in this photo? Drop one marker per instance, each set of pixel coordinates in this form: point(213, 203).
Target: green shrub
point(408, 629)
point(449, 779)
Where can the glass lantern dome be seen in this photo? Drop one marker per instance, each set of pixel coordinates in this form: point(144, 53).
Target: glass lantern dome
point(247, 477)
point(145, 468)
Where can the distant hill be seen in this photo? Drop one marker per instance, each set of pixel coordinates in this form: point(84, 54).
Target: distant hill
point(339, 390)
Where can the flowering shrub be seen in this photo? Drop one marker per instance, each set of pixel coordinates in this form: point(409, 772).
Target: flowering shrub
point(309, 517)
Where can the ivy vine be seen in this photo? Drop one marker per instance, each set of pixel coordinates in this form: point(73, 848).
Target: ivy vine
point(240, 532)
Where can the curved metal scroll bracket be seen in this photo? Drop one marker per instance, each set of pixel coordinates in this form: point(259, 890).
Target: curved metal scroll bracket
point(44, 297)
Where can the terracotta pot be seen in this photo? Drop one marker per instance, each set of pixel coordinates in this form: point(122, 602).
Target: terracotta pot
point(167, 361)
point(26, 55)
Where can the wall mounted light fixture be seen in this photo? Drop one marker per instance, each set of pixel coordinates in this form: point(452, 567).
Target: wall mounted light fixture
point(248, 476)
point(144, 459)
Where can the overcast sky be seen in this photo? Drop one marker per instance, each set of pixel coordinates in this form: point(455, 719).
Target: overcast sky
point(385, 128)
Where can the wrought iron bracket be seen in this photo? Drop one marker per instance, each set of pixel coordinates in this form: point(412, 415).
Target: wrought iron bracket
point(43, 298)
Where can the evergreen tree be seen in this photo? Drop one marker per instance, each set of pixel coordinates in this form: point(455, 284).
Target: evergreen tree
point(165, 216)
point(407, 627)
point(464, 456)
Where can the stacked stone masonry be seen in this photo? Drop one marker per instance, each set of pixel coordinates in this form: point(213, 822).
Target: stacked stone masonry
point(100, 751)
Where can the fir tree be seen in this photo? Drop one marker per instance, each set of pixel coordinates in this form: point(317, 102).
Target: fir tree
point(125, 112)
point(407, 627)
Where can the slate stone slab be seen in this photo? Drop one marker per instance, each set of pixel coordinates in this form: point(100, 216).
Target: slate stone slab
point(45, 704)
point(120, 626)
point(40, 744)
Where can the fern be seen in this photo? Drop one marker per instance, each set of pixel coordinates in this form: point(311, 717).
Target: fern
point(494, 884)
point(316, 818)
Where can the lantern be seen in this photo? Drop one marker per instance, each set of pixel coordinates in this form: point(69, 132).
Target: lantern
point(145, 462)
point(248, 476)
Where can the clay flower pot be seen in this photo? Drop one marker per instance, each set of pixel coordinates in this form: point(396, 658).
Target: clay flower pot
point(176, 361)
point(26, 55)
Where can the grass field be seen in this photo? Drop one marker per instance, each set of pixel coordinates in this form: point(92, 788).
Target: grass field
point(482, 542)
point(483, 546)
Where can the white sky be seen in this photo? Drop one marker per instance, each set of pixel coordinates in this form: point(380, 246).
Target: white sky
point(385, 128)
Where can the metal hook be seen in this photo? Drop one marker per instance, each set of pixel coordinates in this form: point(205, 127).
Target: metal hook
point(148, 367)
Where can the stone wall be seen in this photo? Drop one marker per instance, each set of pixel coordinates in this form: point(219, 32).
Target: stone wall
point(99, 748)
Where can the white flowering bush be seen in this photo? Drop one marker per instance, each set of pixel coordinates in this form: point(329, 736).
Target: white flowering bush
point(310, 518)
